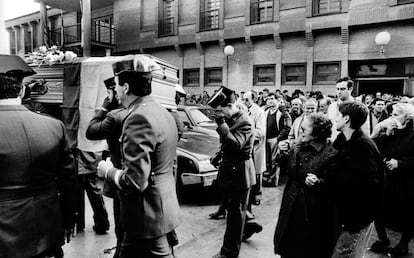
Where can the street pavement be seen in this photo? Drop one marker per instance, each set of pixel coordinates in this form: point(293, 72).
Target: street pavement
point(199, 236)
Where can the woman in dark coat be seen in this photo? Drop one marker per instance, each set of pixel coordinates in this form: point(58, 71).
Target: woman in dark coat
point(306, 222)
point(395, 140)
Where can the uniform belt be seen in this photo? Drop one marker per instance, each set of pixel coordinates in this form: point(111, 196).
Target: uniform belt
point(24, 191)
point(156, 179)
point(235, 158)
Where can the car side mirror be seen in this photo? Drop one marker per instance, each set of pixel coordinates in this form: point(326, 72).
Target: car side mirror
point(187, 124)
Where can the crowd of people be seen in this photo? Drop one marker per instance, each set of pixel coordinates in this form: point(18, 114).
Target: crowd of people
point(346, 160)
point(348, 163)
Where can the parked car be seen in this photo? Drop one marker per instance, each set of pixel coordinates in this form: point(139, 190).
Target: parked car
point(199, 142)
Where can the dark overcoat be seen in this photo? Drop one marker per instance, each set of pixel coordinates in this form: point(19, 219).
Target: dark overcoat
point(357, 181)
point(149, 205)
point(37, 183)
point(399, 189)
point(306, 226)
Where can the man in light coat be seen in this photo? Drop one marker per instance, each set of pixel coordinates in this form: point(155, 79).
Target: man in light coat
point(257, 115)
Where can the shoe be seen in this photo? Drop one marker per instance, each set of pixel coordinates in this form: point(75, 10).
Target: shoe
point(219, 255)
point(217, 215)
point(250, 229)
point(380, 246)
point(270, 183)
point(249, 215)
point(399, 251)
point(99, 231)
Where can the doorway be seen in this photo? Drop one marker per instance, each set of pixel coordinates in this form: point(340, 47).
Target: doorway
point(393, 86)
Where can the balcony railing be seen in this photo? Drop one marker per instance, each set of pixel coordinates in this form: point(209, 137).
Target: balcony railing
point(72, 34)
point(166, 27)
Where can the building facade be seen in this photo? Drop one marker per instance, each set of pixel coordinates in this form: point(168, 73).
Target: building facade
point(278, 44)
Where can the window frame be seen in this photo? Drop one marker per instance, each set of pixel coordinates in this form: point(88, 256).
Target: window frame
point(256, 75)
point(285, 74)
point(162, 32)
point(186, 77)
point(206, 76)
point(399, 2)
point(314, 80)
point(316, 11)
point(203, 17)
point(257, 2)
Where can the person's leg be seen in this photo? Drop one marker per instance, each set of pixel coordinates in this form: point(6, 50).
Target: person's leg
point(382, 245)
point(100, 216)
point(80, 213)
point(119, 232)
point(221, 211)
point(401, 249)
point(147, 248)
point(235, 222)
point(352, 245)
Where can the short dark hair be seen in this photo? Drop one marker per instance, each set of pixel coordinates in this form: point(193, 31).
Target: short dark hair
point(356, 111)
point(139, 82)
point(374, 101)
point(277, 96)
point(10, 87)
point(265, 89)
point(321, 127)
point(349, 82)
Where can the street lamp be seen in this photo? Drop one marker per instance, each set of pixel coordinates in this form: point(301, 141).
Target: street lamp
point(228, 52)
point(382, 39)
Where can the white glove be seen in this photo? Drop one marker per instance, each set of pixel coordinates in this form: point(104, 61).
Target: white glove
point(104, 167)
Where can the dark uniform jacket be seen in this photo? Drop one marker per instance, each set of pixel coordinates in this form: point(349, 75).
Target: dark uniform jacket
point(149, 205)
point(357, 181)
point(306, 226)
point(108, 126)
point(37, 183)
point(237, 170)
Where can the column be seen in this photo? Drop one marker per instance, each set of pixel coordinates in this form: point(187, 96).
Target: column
point(345, 50)
point(180, 54)
point(278, 61)
point(202, 63)
point(86, 27)
point(12, 41)
point(17, 39)
point(309, 59)
point(33, 35)
point(43, 24)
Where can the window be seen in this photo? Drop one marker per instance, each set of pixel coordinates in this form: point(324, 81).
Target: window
point(103, 30)
point(294, 74)
point(192, 77)
point(214, 76)
point(261, 11)
point(166, 18)
point(327, 72)
point(263, 74)
point(405, 1)
point(209, 14)
point(326, 6)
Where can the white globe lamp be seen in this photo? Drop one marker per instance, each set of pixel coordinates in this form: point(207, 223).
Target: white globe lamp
point(382, 39)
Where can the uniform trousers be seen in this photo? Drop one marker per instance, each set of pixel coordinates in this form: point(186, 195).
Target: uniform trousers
point(145, 248)
point(236, 217)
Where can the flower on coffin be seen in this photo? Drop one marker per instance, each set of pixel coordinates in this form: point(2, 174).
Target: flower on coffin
point(52, 55)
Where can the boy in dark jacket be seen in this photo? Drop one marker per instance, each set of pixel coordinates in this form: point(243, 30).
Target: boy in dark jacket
point(357, 181)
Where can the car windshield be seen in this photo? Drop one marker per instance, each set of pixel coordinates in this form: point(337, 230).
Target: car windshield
point(199, 117)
